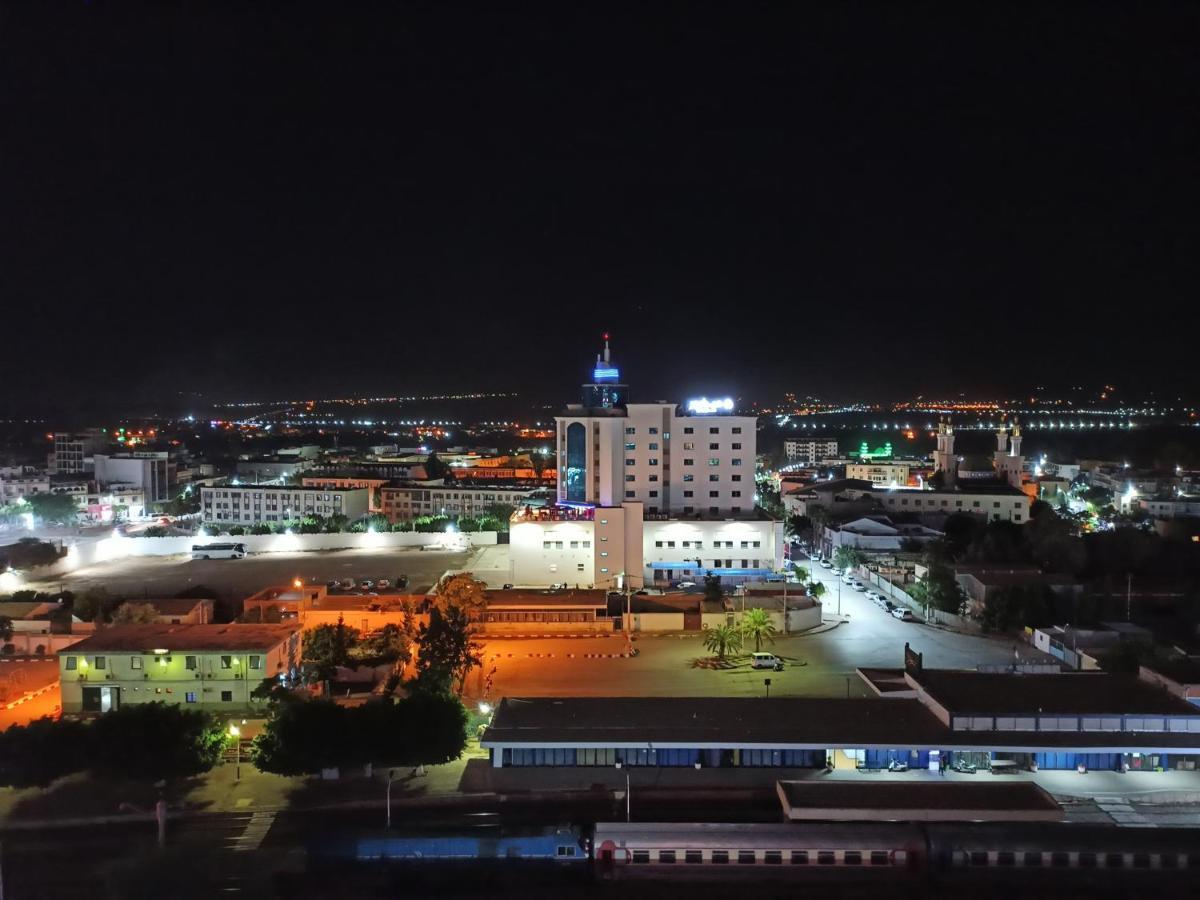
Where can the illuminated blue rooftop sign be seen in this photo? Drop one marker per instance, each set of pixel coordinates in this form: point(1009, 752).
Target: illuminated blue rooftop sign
point(605, 374)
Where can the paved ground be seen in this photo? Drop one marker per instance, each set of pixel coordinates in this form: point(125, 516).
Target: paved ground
point(164, 576)
point(820, 664)
point(25, 690)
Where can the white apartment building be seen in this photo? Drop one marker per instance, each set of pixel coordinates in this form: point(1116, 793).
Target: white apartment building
point(810, 450)
point(879, 472)
point(149, 470)
point(403, 502)
point(996, 503)
point(251, 504)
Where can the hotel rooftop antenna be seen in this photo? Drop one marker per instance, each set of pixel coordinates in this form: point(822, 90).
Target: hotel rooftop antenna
point(605, 390)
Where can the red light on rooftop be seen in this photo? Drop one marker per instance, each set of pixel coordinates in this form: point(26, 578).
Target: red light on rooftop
point(606, 335)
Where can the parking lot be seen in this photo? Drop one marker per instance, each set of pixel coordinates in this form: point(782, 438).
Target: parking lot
point(165, 576)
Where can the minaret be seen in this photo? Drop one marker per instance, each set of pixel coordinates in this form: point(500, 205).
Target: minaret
point(1015, 446)
point(944, 460)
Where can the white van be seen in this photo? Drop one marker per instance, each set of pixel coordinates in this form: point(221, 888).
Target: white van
point(765, 661)
point(218, 551)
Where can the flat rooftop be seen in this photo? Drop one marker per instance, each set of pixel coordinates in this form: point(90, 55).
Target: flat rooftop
point(783, 722)
point(1069, 693)
point(899, 799)
point(709, 720)
point(179, 638)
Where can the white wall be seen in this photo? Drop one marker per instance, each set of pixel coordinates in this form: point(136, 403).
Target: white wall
point(90, 551)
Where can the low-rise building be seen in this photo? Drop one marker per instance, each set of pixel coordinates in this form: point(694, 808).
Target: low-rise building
point(594, 546)
point(149, 470)
point(880, 473)
point(177, 611)
point(993, 502)
point(1175, 507)
point(873, 534)
point(272, 468)
point(403, 502)
point(212, 667)
point(373, 484)
point(982, 582)
point(251, 504)
point(20, 482)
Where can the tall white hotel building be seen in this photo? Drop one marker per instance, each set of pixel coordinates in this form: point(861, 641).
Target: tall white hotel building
point(648, 492)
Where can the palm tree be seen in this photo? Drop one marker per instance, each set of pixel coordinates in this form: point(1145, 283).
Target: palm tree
point(722, 639)
point(756, 623)
point(815, 589)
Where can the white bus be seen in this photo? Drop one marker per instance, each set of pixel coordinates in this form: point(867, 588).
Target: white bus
point(218, 551)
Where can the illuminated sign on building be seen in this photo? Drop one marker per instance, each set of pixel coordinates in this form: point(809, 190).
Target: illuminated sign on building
point(706, 407)
point(600, 374)
point(883, 452)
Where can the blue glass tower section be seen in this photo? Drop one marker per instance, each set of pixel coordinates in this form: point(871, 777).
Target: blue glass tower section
point(605, 390)
point(576, 474)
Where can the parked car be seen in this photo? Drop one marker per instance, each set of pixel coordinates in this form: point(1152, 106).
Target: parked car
point(346, 584)
point(858, 585)
point(402, 582)
point(366, 584)
point(826, 564)
point(333, 584)
point(835, 571)
point(889, 605)
point(766, 661)
point(382, 583)
point(873, 594)
point(904, 615)
point(686, 585)
point(847, 579)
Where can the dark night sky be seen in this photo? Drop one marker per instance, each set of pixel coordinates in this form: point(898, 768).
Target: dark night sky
point(274, 199)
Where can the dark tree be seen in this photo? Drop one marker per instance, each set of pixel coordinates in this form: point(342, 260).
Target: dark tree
point(446, 651)
point(38, 753)
point(154, 741)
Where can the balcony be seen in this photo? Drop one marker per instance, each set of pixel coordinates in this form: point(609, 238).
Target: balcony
point(560, 513)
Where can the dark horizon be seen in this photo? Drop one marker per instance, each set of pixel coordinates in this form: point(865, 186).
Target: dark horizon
point(848, 201)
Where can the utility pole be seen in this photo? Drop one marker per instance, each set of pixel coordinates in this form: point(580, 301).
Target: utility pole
point(1129, 597)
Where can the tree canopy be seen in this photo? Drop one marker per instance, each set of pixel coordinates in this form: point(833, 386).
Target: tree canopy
point(131, 613)
point(462, 592)
point(447, 651)
point(303, 737)
point(147, 741)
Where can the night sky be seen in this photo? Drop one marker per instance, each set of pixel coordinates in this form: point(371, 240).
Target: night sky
point(271, 199)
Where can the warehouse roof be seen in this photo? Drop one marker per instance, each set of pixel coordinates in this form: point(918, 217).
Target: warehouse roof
point(782, 722)
point(1068, 693)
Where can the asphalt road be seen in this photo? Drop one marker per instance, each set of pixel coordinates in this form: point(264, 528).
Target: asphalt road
point(164, 576)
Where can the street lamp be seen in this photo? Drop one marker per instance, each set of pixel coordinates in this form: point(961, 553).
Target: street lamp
point(388, 796)
point(236, 734)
